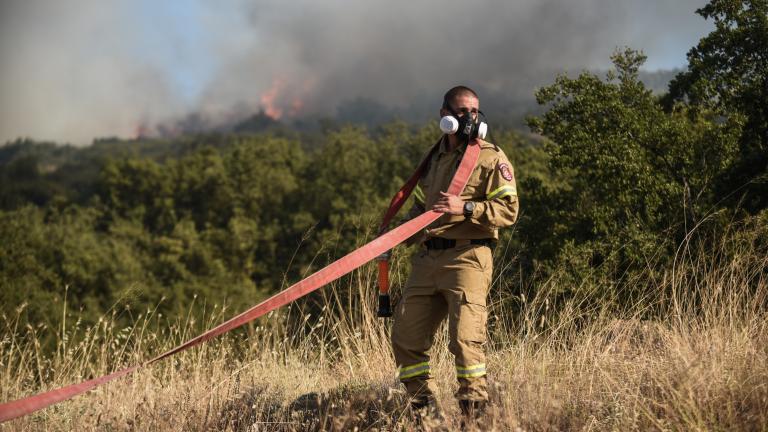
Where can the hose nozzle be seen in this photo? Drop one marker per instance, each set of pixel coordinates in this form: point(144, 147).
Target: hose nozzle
point(385, 306)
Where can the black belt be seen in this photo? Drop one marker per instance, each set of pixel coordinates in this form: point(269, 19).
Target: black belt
point(443, 243)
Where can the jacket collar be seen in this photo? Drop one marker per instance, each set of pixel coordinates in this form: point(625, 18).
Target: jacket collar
point(444, 146)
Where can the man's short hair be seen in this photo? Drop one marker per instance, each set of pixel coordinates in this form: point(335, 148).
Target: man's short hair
point(455, 92)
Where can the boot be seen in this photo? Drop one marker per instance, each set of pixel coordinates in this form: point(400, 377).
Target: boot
point(426, 413)
point(471, 412)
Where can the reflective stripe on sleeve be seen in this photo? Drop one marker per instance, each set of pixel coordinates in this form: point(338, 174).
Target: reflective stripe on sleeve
point(502, 192)
point(414, 370)
point(470, 371)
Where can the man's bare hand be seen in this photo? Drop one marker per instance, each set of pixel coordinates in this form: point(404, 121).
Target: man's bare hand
point(450, 204)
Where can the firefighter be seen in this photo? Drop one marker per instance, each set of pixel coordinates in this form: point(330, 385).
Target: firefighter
point(451, 273)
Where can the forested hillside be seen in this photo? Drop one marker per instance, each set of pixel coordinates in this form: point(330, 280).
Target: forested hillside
point(613, 179)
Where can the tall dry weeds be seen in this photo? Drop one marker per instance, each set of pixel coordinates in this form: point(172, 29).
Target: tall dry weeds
point(700, 362)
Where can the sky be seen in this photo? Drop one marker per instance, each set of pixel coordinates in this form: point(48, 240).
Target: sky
point(82, 69)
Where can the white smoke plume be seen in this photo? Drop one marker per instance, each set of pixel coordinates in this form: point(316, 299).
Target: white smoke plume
point(76, 70)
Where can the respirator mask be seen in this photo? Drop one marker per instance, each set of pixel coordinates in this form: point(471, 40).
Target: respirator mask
point(465, 126)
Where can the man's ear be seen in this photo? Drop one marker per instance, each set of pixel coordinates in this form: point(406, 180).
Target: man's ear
point(444, 112)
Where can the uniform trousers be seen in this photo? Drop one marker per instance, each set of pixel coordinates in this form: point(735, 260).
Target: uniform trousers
point(450, 283)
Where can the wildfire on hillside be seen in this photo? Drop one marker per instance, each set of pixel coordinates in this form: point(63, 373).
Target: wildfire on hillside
point(279, 102)
point(283, 100)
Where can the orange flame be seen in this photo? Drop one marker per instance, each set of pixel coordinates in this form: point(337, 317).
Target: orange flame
point(284, 100)
point(269, 100)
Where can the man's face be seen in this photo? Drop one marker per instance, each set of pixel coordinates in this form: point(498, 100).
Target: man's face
point(462, 105)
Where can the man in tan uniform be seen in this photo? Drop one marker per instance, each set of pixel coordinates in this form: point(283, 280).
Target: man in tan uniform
point(452, 272)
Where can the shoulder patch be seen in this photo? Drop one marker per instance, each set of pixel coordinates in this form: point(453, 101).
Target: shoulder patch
point(505, 171)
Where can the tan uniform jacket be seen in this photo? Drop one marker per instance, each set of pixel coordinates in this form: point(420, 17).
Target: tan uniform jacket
point(491, 186)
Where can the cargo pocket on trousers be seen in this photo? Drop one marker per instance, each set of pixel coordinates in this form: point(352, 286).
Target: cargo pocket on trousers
point(474, 321)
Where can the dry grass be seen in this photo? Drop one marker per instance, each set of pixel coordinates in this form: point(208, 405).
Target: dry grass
point(702, 364)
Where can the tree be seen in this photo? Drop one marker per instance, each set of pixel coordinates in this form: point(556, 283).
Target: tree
point(637, 176)
point(728, 74)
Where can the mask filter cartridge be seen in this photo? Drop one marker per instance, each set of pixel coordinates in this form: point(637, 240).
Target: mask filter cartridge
point(449, 125)
point(482, 130)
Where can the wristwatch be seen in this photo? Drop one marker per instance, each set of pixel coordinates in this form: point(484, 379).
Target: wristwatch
point(469, 208)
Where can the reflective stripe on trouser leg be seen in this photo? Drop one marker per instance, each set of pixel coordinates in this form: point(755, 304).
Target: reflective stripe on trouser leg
point(472, 371)
point(411, 371)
